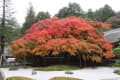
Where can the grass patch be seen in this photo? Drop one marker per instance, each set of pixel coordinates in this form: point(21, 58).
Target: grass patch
point(4, 66)
point(18, 78)
point(64, 78)
point(58, 68)
point(117, 72)
point(108, 65)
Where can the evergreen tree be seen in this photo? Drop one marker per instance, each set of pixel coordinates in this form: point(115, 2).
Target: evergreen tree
point(104, 13)
point(12, 31)
point(90, 15)
point(29, 20)
point(42, 16)
point(6, 16)
point(73, 9)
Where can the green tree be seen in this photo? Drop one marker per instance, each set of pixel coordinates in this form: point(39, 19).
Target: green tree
point(7, 13)
point(104, 13)
point(73, 9)
point(42, 16)
point(90, 15)
point(29, 20)
point(64, 12)
point(12, 31)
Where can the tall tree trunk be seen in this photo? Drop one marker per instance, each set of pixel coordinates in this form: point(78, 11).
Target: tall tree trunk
point(2, 35)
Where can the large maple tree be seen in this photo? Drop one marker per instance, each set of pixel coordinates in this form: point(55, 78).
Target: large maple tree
point(73, 36)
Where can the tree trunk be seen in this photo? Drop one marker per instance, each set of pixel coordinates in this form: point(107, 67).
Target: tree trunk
point(68, 59)
point(2, 35)
point(80, 60)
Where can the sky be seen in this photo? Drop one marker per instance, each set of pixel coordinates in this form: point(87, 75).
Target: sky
point(53, 6)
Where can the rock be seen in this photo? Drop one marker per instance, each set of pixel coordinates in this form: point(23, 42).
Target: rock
point(13, 68)
point(34, 72)
point(69, 72)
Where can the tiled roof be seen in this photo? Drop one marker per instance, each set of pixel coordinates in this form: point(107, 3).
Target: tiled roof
point(113, 35)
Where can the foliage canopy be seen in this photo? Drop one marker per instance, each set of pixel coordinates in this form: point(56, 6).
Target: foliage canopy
point(73, 36)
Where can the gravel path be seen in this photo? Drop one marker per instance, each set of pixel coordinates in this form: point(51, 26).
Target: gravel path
point(99, 73)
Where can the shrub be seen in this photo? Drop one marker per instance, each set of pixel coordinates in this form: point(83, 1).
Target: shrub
point(117, 63)
point(72, 36)
point(117, 72)
point(116, 51)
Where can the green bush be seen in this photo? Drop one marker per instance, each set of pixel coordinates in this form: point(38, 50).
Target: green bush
point(117, 63)
point(117, 72)
point(116, 51)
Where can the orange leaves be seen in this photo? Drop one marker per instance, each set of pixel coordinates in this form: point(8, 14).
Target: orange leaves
point(55, 53)
point(99, 24)
point(71, 35)
point(96, 59)
point(108, 55)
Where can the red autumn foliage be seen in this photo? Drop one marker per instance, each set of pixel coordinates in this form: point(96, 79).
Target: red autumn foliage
point(71, 35)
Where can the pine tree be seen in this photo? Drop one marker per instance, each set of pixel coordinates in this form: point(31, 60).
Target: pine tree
point(104, 13)
point(42, 16)
point(6, 15)
point(73, 9)
point(29, 20)
point(90, 15)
